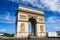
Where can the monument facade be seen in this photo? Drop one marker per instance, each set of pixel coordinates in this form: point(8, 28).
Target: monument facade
point(36, 17)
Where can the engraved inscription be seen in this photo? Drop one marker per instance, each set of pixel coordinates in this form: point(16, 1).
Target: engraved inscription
point(22, 28)
point(22, 16)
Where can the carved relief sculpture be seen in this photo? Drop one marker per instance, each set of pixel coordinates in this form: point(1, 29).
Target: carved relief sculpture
point(41, 28)
point(22, 28)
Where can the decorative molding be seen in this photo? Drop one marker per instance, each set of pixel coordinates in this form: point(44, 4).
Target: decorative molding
point(22, 17)
point(31, 10)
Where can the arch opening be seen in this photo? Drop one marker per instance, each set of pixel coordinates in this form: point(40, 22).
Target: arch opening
point(32, 26)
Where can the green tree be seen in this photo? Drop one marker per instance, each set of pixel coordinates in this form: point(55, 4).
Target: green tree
point(8, 35)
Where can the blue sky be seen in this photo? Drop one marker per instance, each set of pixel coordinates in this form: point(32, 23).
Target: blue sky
point(51, 10)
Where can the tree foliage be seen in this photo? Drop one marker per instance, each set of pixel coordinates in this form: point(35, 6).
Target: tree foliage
point(8, 35)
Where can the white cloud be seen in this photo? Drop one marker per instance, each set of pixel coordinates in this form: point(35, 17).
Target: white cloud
point(52, 5)
point(33, 2)
point(2, 30)
point(17, 1)
point(53, 19)
point(52, 23)
point(58, 27)
point(7, 18)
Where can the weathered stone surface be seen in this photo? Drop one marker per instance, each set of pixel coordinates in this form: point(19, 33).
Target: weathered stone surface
point(26, 14)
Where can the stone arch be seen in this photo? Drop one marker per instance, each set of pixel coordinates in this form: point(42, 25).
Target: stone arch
point(25, 14)
point(33, 25)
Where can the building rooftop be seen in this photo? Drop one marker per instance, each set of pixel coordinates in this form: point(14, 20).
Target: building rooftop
point(1, 33)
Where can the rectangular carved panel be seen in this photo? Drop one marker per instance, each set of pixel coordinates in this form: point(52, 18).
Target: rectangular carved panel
point(22, 17)
point(41, 28)
point(22, 27)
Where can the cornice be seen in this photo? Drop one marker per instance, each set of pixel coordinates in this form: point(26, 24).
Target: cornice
point(29, 10)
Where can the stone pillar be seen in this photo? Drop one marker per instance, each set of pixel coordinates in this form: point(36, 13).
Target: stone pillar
point(40, 27)
point(41, 30)
point(22, 29)
point(22, 25)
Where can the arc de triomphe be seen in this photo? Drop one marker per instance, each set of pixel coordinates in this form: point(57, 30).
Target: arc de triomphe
point(36, 17)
